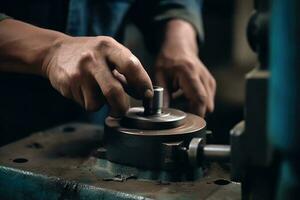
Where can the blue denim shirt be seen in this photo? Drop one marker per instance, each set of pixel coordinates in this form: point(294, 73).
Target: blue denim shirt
point(40, 105)
point(103, 17)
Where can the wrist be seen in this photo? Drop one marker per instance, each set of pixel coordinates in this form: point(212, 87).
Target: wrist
point(180, 34)
point(51, 43)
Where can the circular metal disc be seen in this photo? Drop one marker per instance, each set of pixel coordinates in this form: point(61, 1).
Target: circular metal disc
point(169, 118)
point(190, 124)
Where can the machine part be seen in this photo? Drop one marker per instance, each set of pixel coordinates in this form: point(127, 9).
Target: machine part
point(253, 156)
point(144, 148)
point(193, 151)
point(216, 152)
point(59, 164)
point(238, 154)
point(283, 110)
point(152, 116)
point(199, 152)
point(153, 138)
point(154, 105)
point(167, 119)
point(258, 152)
point(258, 33)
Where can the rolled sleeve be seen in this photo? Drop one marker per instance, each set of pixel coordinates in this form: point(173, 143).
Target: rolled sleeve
point(151, 17)
point(188, 10)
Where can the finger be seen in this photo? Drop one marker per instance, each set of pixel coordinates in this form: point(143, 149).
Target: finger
point(195, 92)
point(176, 90)
point(120, 77)
point(197, 108)
point(84, 85)
point(112, 90)
point(77, 93)
point(209, 85)
point(209, 97)
point(161, 81)
point(177, 94)
point(93, 99)
point(139, 83)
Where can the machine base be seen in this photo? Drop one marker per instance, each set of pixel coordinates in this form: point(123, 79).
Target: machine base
point(60, 164)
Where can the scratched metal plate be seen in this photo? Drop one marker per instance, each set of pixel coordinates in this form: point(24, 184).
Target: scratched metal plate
point(58, 164)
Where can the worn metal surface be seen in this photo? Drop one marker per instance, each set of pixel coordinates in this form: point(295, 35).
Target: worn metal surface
point(152, 149)
point(59, 164)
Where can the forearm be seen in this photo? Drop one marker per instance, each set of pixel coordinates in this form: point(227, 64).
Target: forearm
point(23, 47)
point(180, 34)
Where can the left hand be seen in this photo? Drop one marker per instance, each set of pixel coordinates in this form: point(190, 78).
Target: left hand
point(178, 67)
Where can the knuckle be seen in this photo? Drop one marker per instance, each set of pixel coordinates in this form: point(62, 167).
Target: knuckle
point(200, 97)
point(132, 62)
point(193, 78)
point(87, 59)
point(87, 56)
point(189, 65)
point(105, 42)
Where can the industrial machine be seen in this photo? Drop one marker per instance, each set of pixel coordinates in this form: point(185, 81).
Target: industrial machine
point(162, 153)
point(152, 152)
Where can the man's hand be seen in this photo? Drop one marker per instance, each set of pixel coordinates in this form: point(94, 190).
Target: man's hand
point(84, 68)
point(88, 70)
point(179, 70)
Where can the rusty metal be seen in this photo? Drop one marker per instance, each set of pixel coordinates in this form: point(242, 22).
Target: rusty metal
point(60, 164)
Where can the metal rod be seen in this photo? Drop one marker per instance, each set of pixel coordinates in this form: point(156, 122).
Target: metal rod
point(154, 105)
point(215, 152)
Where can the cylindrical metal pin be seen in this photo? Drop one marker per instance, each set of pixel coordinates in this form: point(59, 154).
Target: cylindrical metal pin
point(154, 105)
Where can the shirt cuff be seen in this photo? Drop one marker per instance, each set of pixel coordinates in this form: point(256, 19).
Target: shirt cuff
point(194, 19)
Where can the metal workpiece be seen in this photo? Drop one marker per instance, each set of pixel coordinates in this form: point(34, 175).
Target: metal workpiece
point(167, 119)
point(153, 106)
point(156, 138)
point(153, 116)
point(145, 148)
point(153, 137)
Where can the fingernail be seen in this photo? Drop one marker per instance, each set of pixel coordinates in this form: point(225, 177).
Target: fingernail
point(148, 93)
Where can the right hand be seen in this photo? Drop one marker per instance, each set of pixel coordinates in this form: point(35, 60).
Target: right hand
point(86, 69)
